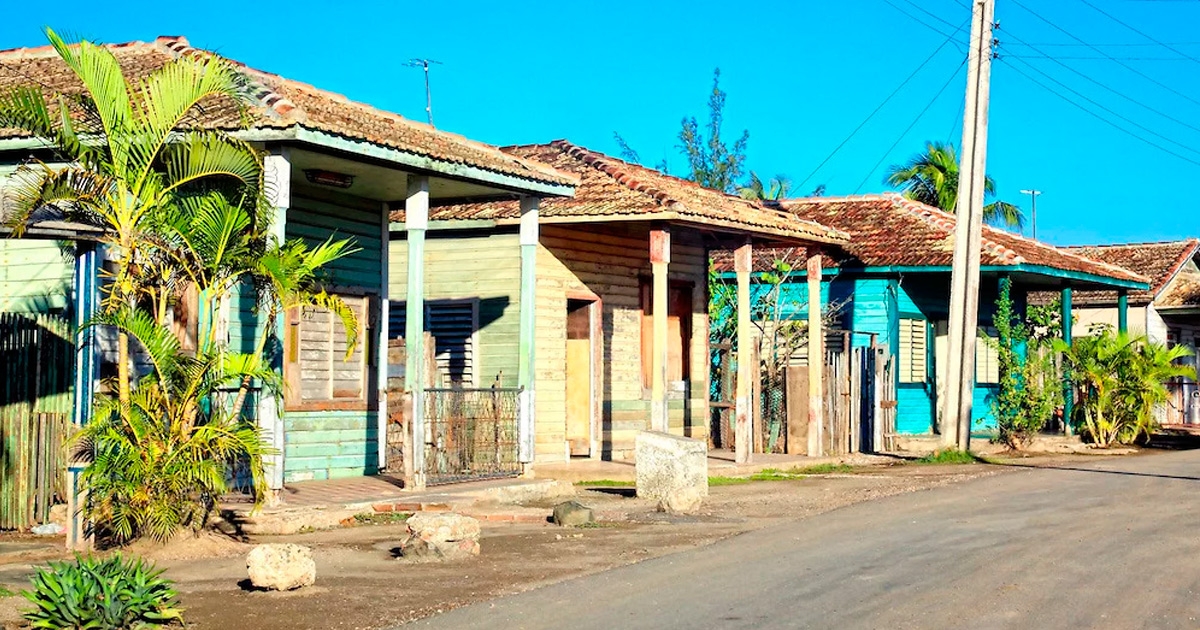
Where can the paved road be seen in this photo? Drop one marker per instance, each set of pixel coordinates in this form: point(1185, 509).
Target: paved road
point(1115, 544)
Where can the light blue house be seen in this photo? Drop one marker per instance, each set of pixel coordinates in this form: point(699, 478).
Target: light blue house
point(892, 282)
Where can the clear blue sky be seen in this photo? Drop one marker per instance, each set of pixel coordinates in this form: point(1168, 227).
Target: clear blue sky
point(800, 76)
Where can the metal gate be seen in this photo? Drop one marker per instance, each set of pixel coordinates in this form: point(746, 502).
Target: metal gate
point(472, 435)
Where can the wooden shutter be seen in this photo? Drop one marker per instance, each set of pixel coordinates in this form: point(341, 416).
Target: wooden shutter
point(319, 371)
point(914, 346)
point(987, 356)
point(452, 325)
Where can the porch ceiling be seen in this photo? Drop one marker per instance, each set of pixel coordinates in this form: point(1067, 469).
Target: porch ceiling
point(384, 183)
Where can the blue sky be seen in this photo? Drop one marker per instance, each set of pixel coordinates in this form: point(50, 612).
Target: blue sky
point(800, 76)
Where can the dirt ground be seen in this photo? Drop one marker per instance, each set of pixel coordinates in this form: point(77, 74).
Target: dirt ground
point(361, 584)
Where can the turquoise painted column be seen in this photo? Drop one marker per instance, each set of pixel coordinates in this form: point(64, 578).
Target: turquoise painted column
point(1123, 311)
point(527, 361)
point(416, 221)
point(1068, 390)
point(87, 300)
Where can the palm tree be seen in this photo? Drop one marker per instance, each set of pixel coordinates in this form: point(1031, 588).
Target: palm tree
point(774, 190)
point(128, 156)
point(932, 178)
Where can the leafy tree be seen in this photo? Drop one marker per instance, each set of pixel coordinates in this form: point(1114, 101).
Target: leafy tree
point(931, 177)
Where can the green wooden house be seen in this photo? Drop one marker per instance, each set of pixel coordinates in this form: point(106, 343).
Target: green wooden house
point(336, 168)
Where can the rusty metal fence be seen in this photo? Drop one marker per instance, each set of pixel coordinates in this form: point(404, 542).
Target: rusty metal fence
point(472, 434)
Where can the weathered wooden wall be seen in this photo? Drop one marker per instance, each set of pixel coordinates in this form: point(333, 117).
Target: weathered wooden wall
point(35, 276)
point(608, 262)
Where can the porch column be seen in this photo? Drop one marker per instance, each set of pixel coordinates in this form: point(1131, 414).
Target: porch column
point(1123, 311)
point(277, 170)
point(743, 433)
point(87, 298)
point(1068, 402)
point(381, 345)
point(660, 258)
point(816, 360)
point(416, 220)
point(527, 361)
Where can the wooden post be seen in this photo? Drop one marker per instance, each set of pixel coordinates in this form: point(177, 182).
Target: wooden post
point(277, 170)
point(381, 343)
point(1068, 393)
point(1123, 311)
point(968, 232)
point(816, 360)
point(527, 362)
point(416, 221)
point(743, 440)
point(87, 300)
point(660, 258)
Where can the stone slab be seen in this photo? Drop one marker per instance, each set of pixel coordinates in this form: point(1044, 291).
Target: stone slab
point(672, 470)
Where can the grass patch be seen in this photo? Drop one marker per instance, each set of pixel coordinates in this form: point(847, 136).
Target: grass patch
point(380, 518)
point(823, 469)
point(4, 592)
point(604, 483)
point(727, 481)
point(948, 456)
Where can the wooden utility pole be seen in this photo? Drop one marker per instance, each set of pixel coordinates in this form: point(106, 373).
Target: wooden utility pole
point(968, 232)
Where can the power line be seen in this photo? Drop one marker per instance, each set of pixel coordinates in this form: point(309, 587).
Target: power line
point(1119, 93)
point(927, 25)
point(1081, 57)
point(1098, 105)
point(1139, 32)
point(907, 129)
point(880, 106)
point(1098, 116)
point(1112, 45)
point(1108, 56)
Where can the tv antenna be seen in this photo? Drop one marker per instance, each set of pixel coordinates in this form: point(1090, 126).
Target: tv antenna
point(424, 64)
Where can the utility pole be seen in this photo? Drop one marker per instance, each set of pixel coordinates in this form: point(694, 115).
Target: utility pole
point(424, 63)
point(1033, 195)
point(968, 233)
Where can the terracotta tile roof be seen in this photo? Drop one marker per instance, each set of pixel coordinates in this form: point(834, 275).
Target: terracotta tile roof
point(611, 189)
point(1159, 262)
point(279, 103)
point(889, 230)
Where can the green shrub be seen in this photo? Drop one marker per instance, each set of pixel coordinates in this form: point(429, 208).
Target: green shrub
point(102, 594)
point(948, 456)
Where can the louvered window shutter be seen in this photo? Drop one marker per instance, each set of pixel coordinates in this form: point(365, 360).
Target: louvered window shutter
point(914, 346)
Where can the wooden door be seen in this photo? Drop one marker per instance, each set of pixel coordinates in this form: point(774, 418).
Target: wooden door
point(579, 377)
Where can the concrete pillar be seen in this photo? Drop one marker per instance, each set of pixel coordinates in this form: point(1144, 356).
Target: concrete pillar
point(416, 221)
point(277, 170)
point(1068, 393)
point(743, 428)
point(527, 361)
point(1123, 311)
point(660, 258)
point(816, 360)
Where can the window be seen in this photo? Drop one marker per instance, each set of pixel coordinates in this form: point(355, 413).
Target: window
point(679, 331)
point(452, 324)
point(914, 346)
point(987, 356)
point(319, 373)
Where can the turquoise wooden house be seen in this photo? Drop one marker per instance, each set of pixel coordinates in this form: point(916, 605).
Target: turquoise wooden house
point(893, 282)
point(336, 168)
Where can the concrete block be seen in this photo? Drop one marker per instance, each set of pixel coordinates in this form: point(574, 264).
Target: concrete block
point(672, 470)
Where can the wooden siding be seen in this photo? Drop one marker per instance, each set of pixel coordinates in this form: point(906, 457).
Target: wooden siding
point(35, 276)
point(609, 262)
point(333, 443)
point(484, 266)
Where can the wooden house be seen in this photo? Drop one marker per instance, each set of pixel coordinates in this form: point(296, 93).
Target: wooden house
point(894, 283)
point(617, 296)
point(336, 168)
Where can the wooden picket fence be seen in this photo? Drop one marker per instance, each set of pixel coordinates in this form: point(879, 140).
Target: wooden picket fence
point(36, 379)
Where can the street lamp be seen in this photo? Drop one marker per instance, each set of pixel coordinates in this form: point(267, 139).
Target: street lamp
point(1033, 195)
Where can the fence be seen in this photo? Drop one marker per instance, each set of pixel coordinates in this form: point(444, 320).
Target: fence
point(859, 401)
point(37, 355)
point(472, 434)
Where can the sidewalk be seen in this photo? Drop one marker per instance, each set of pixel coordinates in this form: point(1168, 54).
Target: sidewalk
point(720, 464)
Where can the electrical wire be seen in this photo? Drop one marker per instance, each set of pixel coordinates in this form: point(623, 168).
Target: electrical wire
point(880, 106)
point(1097, 116)
point(1108, 56)
point(927, 25)
point(1139, 32)
point(914, 122)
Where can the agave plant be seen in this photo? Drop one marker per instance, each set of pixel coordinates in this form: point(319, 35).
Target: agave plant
point(108, 594)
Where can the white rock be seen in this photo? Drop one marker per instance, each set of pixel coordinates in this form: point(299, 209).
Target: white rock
point(672, 470)
point(281, 567)
point(441, 536)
